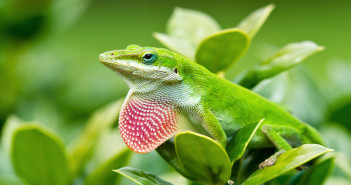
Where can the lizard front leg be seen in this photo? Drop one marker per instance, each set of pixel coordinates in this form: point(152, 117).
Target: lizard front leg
point(278, 141)
point(211, 124)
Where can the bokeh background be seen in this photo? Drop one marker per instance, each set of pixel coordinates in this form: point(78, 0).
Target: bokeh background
point(49, 68)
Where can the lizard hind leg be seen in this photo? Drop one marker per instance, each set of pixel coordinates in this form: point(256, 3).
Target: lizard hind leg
point(278, 141)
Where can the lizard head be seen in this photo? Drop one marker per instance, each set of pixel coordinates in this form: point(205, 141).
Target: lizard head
point(143, 67)
point(145, 123)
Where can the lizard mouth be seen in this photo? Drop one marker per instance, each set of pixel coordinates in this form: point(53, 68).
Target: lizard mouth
point(146, 124)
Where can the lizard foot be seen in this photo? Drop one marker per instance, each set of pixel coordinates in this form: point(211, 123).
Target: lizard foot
point(271, 160)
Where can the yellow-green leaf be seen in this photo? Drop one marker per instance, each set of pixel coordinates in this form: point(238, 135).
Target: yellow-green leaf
point(220, 51)
point(252, 23)
point(286, 162)
point(203, 158)
point(39, 156)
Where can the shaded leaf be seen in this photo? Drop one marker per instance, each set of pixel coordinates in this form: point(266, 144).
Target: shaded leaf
point(286, 58)
point(101, 120)
point(39, 156)
point(103, 175)
point(286, 162)
point(318, 173)
point(237, 146)
point(209, 165)
point(252, 23)
point(168, 152)
point(141, 177)
point(219, 51)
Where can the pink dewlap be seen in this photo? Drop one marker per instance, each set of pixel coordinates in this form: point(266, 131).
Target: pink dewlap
point(146, 124)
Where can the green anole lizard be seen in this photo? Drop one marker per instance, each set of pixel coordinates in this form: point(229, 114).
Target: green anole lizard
point(165, 85)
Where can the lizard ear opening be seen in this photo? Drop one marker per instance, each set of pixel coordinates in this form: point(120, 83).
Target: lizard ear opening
point(175, 70)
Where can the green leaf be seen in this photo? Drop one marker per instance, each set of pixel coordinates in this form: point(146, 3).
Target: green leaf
point(141, 177)
point(219, 51)
point(286, 162)
point(209, 164)
point(186, 29)
point(286, 58)
point(178, 45)
point(168, 152)
point(298, 91)
point(39, 156)
point(237, 146)
point(11, 124)
point(318, 173)
point(252, 23)
point(191, 25)
point(103, 174)
point(101, 120)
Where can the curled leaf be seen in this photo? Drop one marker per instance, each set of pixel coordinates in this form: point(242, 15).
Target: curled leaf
point(252, 23)
point(286, 58)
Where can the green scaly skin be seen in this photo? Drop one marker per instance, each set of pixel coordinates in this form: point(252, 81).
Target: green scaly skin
point(212, 103)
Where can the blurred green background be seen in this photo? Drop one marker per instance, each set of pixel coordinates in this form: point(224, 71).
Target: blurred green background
point(49, 49)
point(49, 68)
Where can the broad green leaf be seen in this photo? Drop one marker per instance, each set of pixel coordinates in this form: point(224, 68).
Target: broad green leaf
point(168, 152)
point(179, 45)
point(286, 162)
point(103, 175)
point(186, 29)
point(286, 58)
point(39, 156)
point(11, 124)
point(219, 51)
point(203, 158)
point(318, 173)
point(252, 23)
point(237, 146)
point(141, 177)
point(101, 120)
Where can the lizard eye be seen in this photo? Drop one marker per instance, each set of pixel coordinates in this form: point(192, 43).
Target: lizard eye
point(149, 58)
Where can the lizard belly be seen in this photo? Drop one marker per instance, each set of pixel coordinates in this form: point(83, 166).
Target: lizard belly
point(146, 124)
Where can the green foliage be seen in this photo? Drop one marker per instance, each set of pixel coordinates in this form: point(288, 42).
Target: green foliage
point(47, 152)
point(208, 165)
point(233, 44)
point(286, 162)
point(237, 146)
point(286, 58)
point(141, 177)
